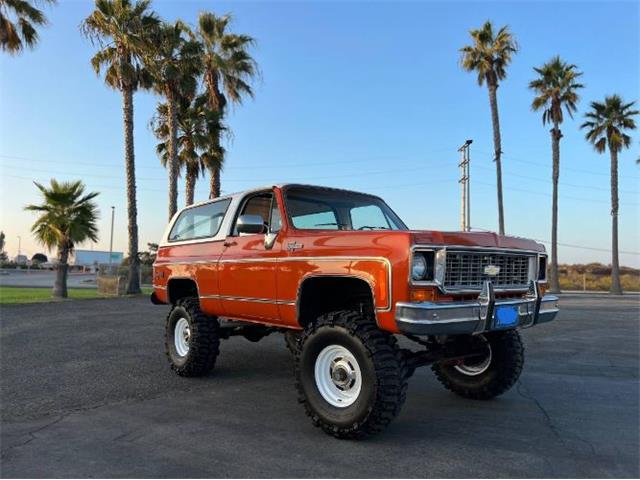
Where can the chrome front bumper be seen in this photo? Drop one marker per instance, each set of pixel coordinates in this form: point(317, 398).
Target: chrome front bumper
point(458, 318)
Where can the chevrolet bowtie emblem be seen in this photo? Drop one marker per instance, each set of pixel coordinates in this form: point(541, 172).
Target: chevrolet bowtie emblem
point(491, 270)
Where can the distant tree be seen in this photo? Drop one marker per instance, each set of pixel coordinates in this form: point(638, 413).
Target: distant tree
point(123, 32)
point(556, 88)
point(3, 254)
point(228, 70)
point(20, 31)
point(606, 124)
point(68, 216)
point(39, 258)
point(488, 56)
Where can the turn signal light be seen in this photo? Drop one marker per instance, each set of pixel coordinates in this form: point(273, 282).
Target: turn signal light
point(421, 295)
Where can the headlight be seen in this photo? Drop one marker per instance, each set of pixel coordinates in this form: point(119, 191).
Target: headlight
point(418, 267)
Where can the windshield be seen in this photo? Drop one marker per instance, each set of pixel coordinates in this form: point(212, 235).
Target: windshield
point(325, 209)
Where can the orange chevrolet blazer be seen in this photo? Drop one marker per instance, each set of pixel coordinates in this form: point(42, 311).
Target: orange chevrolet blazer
point(341, 276)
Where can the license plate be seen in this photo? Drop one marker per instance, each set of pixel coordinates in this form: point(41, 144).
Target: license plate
point(506, 316)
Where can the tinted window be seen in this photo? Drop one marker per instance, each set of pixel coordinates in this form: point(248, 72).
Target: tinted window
point(257, 205)
point(199, 222)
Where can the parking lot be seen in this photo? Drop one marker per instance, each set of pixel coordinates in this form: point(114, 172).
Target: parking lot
point(86, 391)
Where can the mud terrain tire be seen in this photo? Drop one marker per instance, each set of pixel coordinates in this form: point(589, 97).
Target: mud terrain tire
point(358, 345)
point(502, 372)
point(196, 355)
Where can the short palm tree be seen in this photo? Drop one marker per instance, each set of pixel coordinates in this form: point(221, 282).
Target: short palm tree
point(121, 29)
point(606, 124)
point(488, 56)
point(196, 127)
point(20, 32)
point(228, 70)
point(174, 65)
point(67, 216)
point(556, 88)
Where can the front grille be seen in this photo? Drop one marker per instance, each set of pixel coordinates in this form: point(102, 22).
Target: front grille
point(465, 270)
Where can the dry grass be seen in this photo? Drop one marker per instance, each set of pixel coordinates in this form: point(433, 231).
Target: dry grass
point(595, 276)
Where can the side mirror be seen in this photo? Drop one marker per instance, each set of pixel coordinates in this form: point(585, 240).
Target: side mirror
point(250, 224)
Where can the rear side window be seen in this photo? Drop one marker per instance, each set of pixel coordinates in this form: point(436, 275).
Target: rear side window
point(199, 222)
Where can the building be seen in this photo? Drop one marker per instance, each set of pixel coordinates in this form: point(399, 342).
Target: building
point(90, 259)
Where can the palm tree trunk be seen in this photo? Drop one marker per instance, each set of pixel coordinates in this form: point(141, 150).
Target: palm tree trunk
point(190, 185)
point(616, 288)
point(214, 182)
point(217, 104)
point(554, 281)
point(133, 282)
point(173, 150)
point(60, 283)
point(497, 146)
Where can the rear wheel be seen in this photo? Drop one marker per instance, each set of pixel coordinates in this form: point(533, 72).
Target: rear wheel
point(349, 375)
point(191, 339)
point(489, 374)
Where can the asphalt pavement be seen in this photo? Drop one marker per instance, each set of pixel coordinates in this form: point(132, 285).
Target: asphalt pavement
point(44, 278)
point(86, 392)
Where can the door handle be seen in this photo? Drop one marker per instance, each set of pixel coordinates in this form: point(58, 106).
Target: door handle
point(229, 243)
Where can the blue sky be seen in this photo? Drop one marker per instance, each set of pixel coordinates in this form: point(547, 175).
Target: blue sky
point(366, 96)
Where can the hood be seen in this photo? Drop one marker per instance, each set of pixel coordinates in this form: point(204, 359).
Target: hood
point(474, 239)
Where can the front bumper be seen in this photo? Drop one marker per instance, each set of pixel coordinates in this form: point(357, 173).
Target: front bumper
point(459, 318)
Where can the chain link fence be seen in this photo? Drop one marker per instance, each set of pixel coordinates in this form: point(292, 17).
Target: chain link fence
point(112, 279)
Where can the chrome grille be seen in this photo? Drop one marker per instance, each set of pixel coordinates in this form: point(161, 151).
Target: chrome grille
point(465, 270)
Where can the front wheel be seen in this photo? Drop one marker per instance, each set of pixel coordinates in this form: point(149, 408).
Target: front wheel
point(349, 375)
point(489, 374)
point(191, 339)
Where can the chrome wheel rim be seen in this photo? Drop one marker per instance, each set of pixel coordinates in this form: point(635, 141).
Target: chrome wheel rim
point(473, 367)
point(338, 376)
point(181, 337)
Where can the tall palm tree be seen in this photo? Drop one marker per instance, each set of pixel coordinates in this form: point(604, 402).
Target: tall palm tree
point(68, 216)
point(556, 88)
point(174, 65)
point(20, 32)
point(606, 124)
point(488, 56)
point(228, 70)
point(121, 31)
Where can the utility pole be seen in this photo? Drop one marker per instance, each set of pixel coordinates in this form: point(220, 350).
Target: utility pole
point(465, 187)
point(113, 209)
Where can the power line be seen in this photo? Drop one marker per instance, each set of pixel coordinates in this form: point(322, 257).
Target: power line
point(580, 170)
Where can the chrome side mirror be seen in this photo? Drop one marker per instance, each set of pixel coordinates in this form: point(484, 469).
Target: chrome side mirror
point(250, 224)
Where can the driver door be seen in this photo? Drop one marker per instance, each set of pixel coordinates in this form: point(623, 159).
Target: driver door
point(248, 268)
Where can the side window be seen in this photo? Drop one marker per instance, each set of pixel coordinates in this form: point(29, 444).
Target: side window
point(369, 217)
point(257, 205)
point(199, 222)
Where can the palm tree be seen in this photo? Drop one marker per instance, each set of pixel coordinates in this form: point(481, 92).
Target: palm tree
point(489, 56)
point(605, 125)
point(556, 88)
point(174, 65)
point(21, 32)
point(121, 30)
point(228, 70)
point(197, 128)
point(68, 216)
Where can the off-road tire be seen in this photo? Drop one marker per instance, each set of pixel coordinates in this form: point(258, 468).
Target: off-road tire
point(384, 383)
point(507, 360)
point(204, 339)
